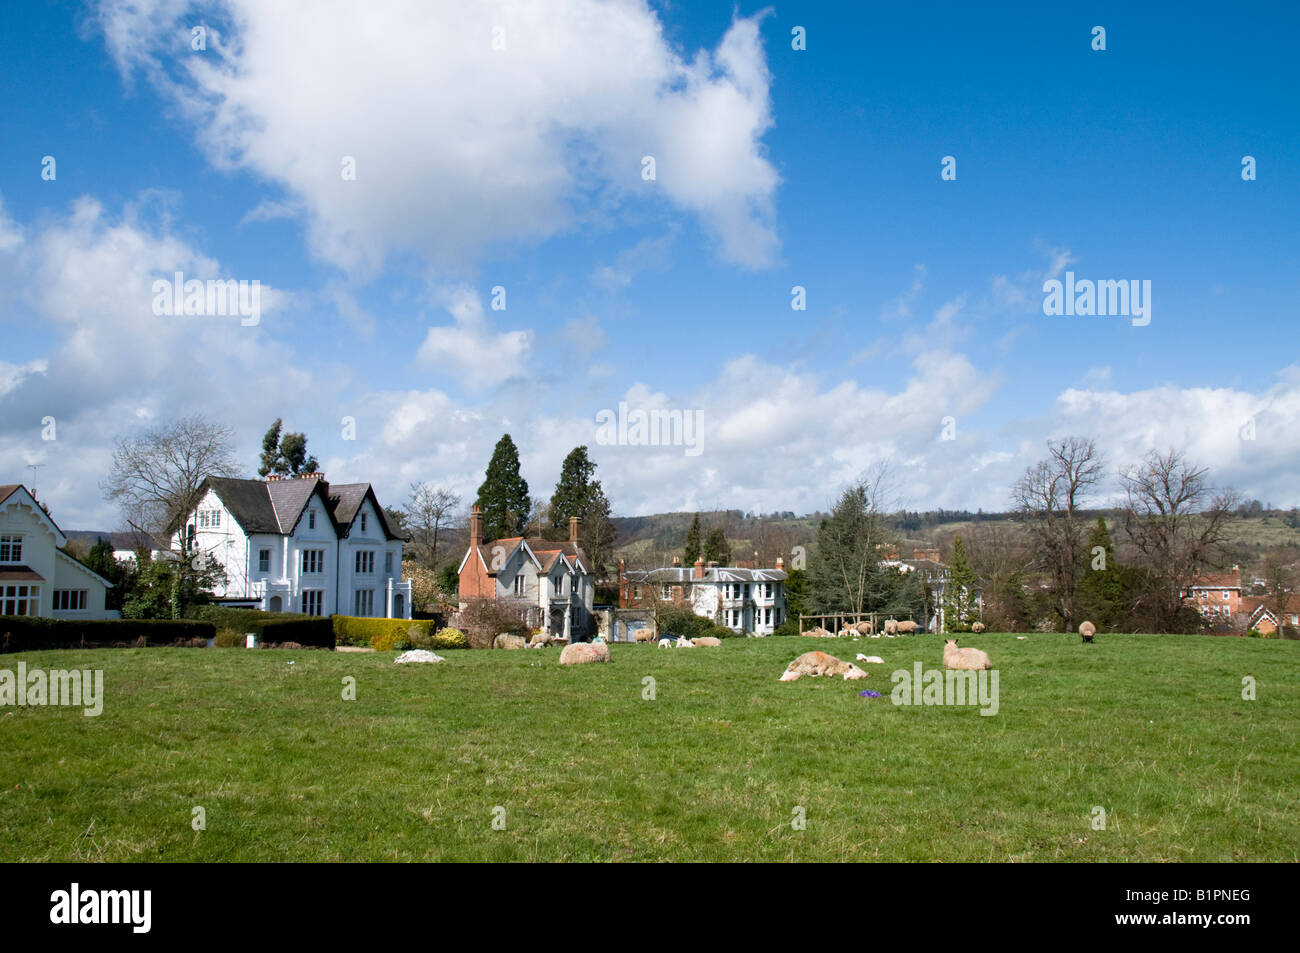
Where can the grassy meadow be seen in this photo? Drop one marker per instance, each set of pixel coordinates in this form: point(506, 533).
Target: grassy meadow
point(574, 764)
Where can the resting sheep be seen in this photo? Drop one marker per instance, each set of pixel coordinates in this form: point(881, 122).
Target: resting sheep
point(707, 641)
point(685, 643)
point(875, 659)
point(818, 633)
point(971, 660)
point(579, 652)
point(819, 663)
point(507, 641)
point(539, 640)
point(977, 628)
point(1087, 630)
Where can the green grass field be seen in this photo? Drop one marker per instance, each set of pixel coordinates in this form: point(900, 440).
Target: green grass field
point(1152, 728)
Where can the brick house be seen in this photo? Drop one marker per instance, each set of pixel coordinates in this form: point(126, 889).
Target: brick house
point(742, 599)
point(546, 581)
point(1216, 596)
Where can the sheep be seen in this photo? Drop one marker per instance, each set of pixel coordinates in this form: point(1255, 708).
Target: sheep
point(874, 659)
point(818, 633)
point(1087, 630)
point(964, 659)
point(1021, 638)
point(891, 627)
point(907, 628)
point(685, 643)
point(977, 628)
point(864, 628)
point(539, 640)
point(643, 634)
point(507, 641)
point(665, 643)
point(707, 641)
point(579, 652)
point(848, 632)
point(819, 663)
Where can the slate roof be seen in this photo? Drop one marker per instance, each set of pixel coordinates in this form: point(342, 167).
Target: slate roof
point(6, 489)
point(277, 506)
point(684, 575)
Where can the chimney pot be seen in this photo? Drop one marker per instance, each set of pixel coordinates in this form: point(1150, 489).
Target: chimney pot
point(573, 528)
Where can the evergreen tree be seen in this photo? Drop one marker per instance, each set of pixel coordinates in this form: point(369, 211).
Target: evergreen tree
point(844, 573)
point(959, 606)
point(578, 494)
point(1102, 589)
point(716, 547)
point(504, 493)
point(694, 546)
point(285, 454)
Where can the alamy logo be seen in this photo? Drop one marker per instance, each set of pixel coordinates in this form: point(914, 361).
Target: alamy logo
point(134, 907)
point(946, 687)
point(651, 428)
point(77, 689)
point(212, 298)
point(1106, 297)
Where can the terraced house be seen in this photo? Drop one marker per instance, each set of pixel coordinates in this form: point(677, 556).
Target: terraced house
point(742, 599)
point(298, 544)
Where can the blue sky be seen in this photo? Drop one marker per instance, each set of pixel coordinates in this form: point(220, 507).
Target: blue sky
point(521, 167)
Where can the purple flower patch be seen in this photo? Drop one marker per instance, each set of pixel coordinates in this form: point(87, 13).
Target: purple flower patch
point(868, 693)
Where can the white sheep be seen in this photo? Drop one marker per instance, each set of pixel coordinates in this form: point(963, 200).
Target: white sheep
point(965, 659)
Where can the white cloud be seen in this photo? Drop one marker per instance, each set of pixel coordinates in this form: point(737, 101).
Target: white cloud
point(470, 349)
point(535, 139)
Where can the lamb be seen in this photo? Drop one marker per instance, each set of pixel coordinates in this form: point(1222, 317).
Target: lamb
point(1087, 630)
point(685, 643)
point(848, 632)
point(818, 633)
point(977, 628)
point(707, 641)
point(819, 663)
point(507, 641)
point(971, 660)
point(578, 653)
point(891, 627)
point(875, 659)
point(907, 628)
point(665, 643)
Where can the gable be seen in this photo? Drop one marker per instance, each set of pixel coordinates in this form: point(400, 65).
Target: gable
point(22, 507)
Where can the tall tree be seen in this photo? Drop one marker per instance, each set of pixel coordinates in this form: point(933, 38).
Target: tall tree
point(1179, 523)
point(960, 610)
point(1101, 595)
point(694, 543)
point(429, 510)
point(1049, 497)
point(844, 573)
point(285, 454)
point(503, 495)
point(716, 547)
point(579, 494)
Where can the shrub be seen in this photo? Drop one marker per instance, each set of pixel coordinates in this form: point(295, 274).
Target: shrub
point(270, 627)
point(450, 639)
point(388, 633)
point(28, 633)
point(788, 627)
point(229, 639)
point(482, 620)
point(722, 632)
point(677, 621)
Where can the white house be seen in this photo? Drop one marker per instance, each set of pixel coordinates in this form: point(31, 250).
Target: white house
point(35, 577)
point(298, 544)
point(742, 599)
point(547, 581)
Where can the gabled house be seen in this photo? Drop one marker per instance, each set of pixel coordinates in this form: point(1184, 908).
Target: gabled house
point(1216, 596)
point(35, 577)
point(299, 544)
point(741, 598)
point(549, 583)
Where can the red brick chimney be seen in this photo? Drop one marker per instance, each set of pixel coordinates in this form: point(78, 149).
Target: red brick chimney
point(780, 562)
point(699, 567)
point(475, 527)
point(573, 528)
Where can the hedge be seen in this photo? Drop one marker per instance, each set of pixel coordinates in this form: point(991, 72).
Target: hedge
point(29, 633)
point(383, 634)
point(270, 627)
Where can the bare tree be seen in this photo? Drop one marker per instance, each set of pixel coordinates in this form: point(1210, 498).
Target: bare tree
point(1178, 522)
point(1049, 496)
point(156, 476)
point(1281, 577)
point(429, 510)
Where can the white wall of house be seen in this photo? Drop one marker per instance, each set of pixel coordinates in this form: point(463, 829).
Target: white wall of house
point(28, 537)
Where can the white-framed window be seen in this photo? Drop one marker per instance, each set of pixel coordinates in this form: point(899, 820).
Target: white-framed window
point(1225, 594)
point(519, 584)
point(11, 549)
point(263, 560)
point(666, 592)
point(636, 592)
point(69, 600)
point(363, 603)
point(388, 563)
point(312, 601)
point(20, 600)
point(365, 562)
point(313, 560)
point(209, 519)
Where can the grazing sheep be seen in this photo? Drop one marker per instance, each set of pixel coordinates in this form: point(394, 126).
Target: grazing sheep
point(907, 628)
point(507, 641)
point(965, 659)
point(643, 634)
point(977, 628)
point(819, 663)
point(874, 659)
point(578, 653)
point(707, 641)
point(1087, 630)
point(864, 628)
point(891, 627)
